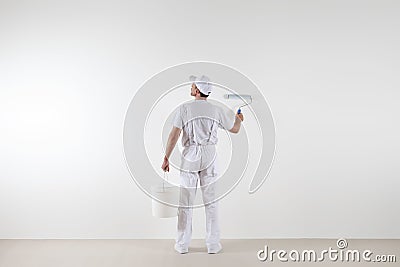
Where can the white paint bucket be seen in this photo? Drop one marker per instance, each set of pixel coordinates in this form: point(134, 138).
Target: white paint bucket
point(166, 194)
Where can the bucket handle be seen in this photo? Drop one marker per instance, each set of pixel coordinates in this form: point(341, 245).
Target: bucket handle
point(165, 179)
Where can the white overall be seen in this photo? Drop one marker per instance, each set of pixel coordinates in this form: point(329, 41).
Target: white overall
point(199, 121)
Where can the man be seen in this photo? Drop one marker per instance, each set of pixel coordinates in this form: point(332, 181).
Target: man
point(199, 121)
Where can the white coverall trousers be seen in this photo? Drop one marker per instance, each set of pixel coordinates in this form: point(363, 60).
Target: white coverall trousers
point(205, 170)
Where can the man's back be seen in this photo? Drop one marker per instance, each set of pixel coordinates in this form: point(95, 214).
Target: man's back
point(200, 120)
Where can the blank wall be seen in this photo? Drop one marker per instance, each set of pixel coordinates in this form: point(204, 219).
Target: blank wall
point(329, 70)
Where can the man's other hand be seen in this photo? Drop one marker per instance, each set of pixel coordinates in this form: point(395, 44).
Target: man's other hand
point(165, 165)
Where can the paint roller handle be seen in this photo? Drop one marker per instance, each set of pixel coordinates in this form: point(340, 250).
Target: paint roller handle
point(239, 114)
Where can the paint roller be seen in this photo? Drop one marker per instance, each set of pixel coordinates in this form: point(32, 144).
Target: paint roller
point(246, 98)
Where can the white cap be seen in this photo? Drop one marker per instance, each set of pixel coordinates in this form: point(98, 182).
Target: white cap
point(202, 83)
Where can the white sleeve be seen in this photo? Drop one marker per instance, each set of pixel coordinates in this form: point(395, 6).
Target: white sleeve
point(227, 119)
point(178, 121)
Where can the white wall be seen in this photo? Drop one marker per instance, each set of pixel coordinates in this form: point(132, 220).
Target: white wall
point(329, 70)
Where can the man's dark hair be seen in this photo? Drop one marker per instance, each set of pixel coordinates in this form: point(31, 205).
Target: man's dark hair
point(203, 95)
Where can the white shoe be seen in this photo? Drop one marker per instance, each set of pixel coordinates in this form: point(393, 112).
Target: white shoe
point(180, 249)
point(214, 248)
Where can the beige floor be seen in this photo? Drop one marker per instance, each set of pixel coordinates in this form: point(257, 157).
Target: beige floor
point(129, 252)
